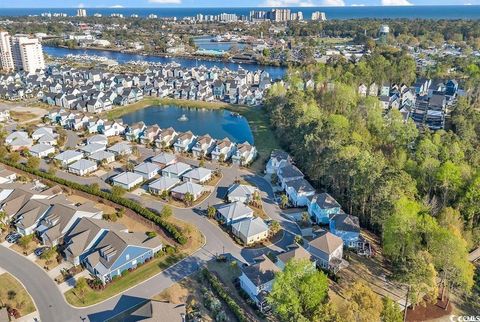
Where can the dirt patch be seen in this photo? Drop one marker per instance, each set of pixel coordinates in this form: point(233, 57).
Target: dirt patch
point(441, 309)
point(99, 205)
point(176, 294)
point(12, 294)
point(134, 225)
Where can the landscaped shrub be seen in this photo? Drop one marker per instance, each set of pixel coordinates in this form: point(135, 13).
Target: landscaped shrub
point(171, 229)
point(220, 291)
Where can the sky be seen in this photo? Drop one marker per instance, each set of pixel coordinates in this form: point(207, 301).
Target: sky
point(222, 3)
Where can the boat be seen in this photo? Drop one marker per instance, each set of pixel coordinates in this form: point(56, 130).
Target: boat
point(235, 114)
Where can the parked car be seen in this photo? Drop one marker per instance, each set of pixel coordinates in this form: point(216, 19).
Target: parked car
point(13, 237)
point(40, 250)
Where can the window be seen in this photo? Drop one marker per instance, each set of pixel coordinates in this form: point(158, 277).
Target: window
point(127, 257)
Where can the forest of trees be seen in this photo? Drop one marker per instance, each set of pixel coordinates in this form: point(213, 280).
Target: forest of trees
point(419, 190)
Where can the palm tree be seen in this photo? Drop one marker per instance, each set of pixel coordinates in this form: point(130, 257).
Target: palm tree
point(188, 199)
point(211, 211)
point(275, 227)
point(283, 201)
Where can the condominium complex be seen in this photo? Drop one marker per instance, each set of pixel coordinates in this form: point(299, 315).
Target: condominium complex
point(318, 15)
point(20, 52)
point(81, 13)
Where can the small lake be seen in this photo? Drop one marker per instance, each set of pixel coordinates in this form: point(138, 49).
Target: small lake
point(217, 123)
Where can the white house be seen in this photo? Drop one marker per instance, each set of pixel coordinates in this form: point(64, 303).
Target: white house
point(198, 175)
point(327, 250)
point(127, 180)
point(241, 192)
point(41, 150)
point(223, 150)
point(82, 167)
point(68, 156)
point(276, 158)
point(164, 159)
point(244, 154)
point(233, 212)
point(162, 184)
point(298, 191)
point(176, 170)
point(257, 280)
point(147, 170)
point(102, 157)
point(194, 189)
point(250, 230)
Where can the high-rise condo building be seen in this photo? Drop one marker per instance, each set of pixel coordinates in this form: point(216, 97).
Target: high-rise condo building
point(81, 12)
point(20, 52)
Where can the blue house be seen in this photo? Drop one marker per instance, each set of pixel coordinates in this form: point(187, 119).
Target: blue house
point(346, 227)
point(322, 206)
point(119, 251)
point(451, 87)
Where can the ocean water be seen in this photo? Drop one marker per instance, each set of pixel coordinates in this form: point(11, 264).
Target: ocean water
point(380, 12)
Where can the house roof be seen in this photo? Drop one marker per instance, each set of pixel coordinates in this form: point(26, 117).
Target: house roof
point(80, 237)
point(261, 272)
point(39, 148)
point(297, 253)
point(147, 167)
point(164, 183)
point(240, 190)
point(346, 222)
point(249, 227)
point(157, 311)
point(68, 155)
point(188, 187)
point(82, 164)
point(93, 147)
point(177, 168)
point(115, 242)
point(127, 178)
point(198, 173)
point(101, 155)
point(325, 201)
point(98, 138)
point(280, 155)
point(31, 212)
point(164, 158)
point(119, 147)
point(300, 185)
point(289, 171)
point(326, 242)
point(234, 210)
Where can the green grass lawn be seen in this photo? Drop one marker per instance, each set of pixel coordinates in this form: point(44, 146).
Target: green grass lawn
point(13, 294)
point(131, 279)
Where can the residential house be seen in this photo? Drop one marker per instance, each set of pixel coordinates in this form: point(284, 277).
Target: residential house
point(68, 156)
point(184, 142)
point(147, 170)
point(257, 280)
point(244, 154)
point(41, 150)
point(242, 193)
point(127, 180)
point(346, 227)
point(277, 158)
point(162, 184)
point(164, 159)
point(120, 251)
point(288, 172)
point(198, 175)
point(192, 188)
point(176, 170)
point(233, 212)
point(102, 157)
point(82, 167)
point(322, 206)
point(203, 146)
point(223, 151)
point(166, 138)
point(250, 230)
point(121, 148)
point(298, 192)
point(134, 132)
point(82, 239)
point(90, 149)
point(327, 250)
point(150, 134)
point(98, 139)
point(296, 253)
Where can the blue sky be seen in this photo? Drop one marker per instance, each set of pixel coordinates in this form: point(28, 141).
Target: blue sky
point(220, 3)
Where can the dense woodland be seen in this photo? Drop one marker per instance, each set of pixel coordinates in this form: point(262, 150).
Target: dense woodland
point(419, 190)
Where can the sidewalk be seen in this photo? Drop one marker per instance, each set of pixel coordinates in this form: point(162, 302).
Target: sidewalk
point(29, 317)
point(56, 271)
point(70, 283)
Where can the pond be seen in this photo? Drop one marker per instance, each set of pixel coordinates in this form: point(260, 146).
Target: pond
point(206, 43)
point(218, 123)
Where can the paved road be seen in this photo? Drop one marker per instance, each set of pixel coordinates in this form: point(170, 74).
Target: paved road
point(50, 301)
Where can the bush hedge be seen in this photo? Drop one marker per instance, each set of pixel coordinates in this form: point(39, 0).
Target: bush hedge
point(220, 291)
point(171, 229)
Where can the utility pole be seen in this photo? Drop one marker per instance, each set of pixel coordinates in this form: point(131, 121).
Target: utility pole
point(406, 304)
